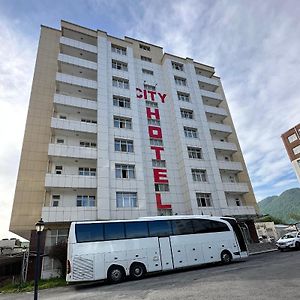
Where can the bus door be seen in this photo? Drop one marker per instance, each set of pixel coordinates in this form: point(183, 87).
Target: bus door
point(165, 253)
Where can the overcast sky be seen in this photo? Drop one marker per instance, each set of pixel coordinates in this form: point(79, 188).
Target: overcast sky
point(253, 45)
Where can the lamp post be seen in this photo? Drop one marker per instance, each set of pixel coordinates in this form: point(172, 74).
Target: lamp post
point(39, 226)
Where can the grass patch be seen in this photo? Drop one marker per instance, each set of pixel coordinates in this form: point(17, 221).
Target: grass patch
point(29, 286)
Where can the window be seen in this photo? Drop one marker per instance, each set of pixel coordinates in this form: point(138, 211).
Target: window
point(182, 227)
point(151, 104)
point(148, 72)
point(153, 122)
point(237, 202)
point(160, 228)
point(135, 230)
point(121, 101)
point(186, 113)
point(60, 141)
point(120, 122)
point(155, 142)
point(190, 132)
point(296, 150)
point(58, 170)
point(55, 200)
point(119, 65)
point(88, 121)
point(202, 226)
point(149, 87)
point(126, 199)
point(180, 81)
point(63, 117)
point(89, 232)
point(87, 171)
point(123, 145)
point(161, 187)
point(125, 171)
point(86, 200)
point(158, 163)
point(203, 199)
point(87, 144)
point(120, 83)
point(194, 152)
point(199, 175)
point(145, 58)
point(292, 138)
point(144, 47)
point(183, 97)
point(114, 231)
point(118, 49)
point(177, 66)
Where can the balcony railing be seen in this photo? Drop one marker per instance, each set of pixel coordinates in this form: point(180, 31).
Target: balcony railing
point(230, 165)
point(77, 61)
point(225, 146)
point(77, 44)
point(215, 110)
point(74, 101)
point(219, 127)
point(72, 151)
point(236, 187)
point(76, 80)
point(70, 181)
point(73, 125)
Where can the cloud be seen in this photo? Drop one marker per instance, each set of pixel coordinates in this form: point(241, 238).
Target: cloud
point(254, 46)
point(17, 55)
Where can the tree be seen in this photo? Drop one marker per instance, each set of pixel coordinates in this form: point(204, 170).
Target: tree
point(59, 252)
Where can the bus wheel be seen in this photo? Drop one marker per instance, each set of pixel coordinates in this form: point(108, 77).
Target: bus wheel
point(137, 271)
point(115, 274)
point(226, 257)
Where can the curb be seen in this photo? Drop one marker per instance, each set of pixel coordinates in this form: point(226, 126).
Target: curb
point(264, 251)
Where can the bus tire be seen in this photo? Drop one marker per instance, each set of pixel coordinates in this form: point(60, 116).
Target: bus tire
point(115, 274)
point(226, 257)
point(297, 246)
point(137, 271)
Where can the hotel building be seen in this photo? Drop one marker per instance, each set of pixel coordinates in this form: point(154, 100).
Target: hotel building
point(291, 140)
point(118, 129)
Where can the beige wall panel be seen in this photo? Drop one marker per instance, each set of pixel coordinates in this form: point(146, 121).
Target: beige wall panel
point(29, 194)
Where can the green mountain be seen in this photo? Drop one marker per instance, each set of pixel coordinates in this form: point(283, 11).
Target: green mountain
point(285, 207)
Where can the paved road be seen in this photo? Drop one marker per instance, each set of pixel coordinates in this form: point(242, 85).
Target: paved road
point(272, 275)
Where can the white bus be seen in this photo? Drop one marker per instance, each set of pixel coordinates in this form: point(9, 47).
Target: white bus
point(115, 249)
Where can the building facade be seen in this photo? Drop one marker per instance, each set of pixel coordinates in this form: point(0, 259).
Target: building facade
point(118, 129)
point(291, 140)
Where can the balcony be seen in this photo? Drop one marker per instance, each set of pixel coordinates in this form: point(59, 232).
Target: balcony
point(230, 165)
point(70, 79)
point(220, 127)
point(211, 81)
point(239, 211)
point(236, 187)
point(77, 61)
point(68, 214)
point(230, 147)
point(70, 181)
point(74, 43)
point(216, 111)
point(75, 102)
point(211, 98)
point(72, 151)
point(73, 125)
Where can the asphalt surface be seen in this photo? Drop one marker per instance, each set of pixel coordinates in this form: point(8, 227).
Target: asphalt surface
point(273, 275)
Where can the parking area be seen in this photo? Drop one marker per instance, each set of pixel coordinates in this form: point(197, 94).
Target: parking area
point(274, 275)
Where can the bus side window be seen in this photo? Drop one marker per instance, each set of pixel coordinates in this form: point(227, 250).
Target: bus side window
point(136, 230)
point(114, 231)
point(182, 226)
point(219, 226)
point(160, 228)
point(202, 226)
point(89, 232)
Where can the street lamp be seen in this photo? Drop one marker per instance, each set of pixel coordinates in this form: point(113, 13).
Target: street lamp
point(39, 226)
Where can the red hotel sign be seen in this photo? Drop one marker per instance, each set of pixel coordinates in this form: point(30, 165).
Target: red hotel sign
point(155, 132)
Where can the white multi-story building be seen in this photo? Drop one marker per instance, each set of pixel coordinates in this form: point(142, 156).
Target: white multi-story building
point(117, 129)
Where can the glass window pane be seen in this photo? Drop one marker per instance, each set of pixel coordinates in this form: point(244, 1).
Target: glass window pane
point(202, 226)
point(136, 229)
point(89, 232)
point(160, 228)
point(182, 226)
point(114, 231)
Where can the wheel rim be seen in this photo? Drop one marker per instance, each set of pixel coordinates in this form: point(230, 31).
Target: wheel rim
point(116, 275)
point(226, 258)
point(138, 271)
